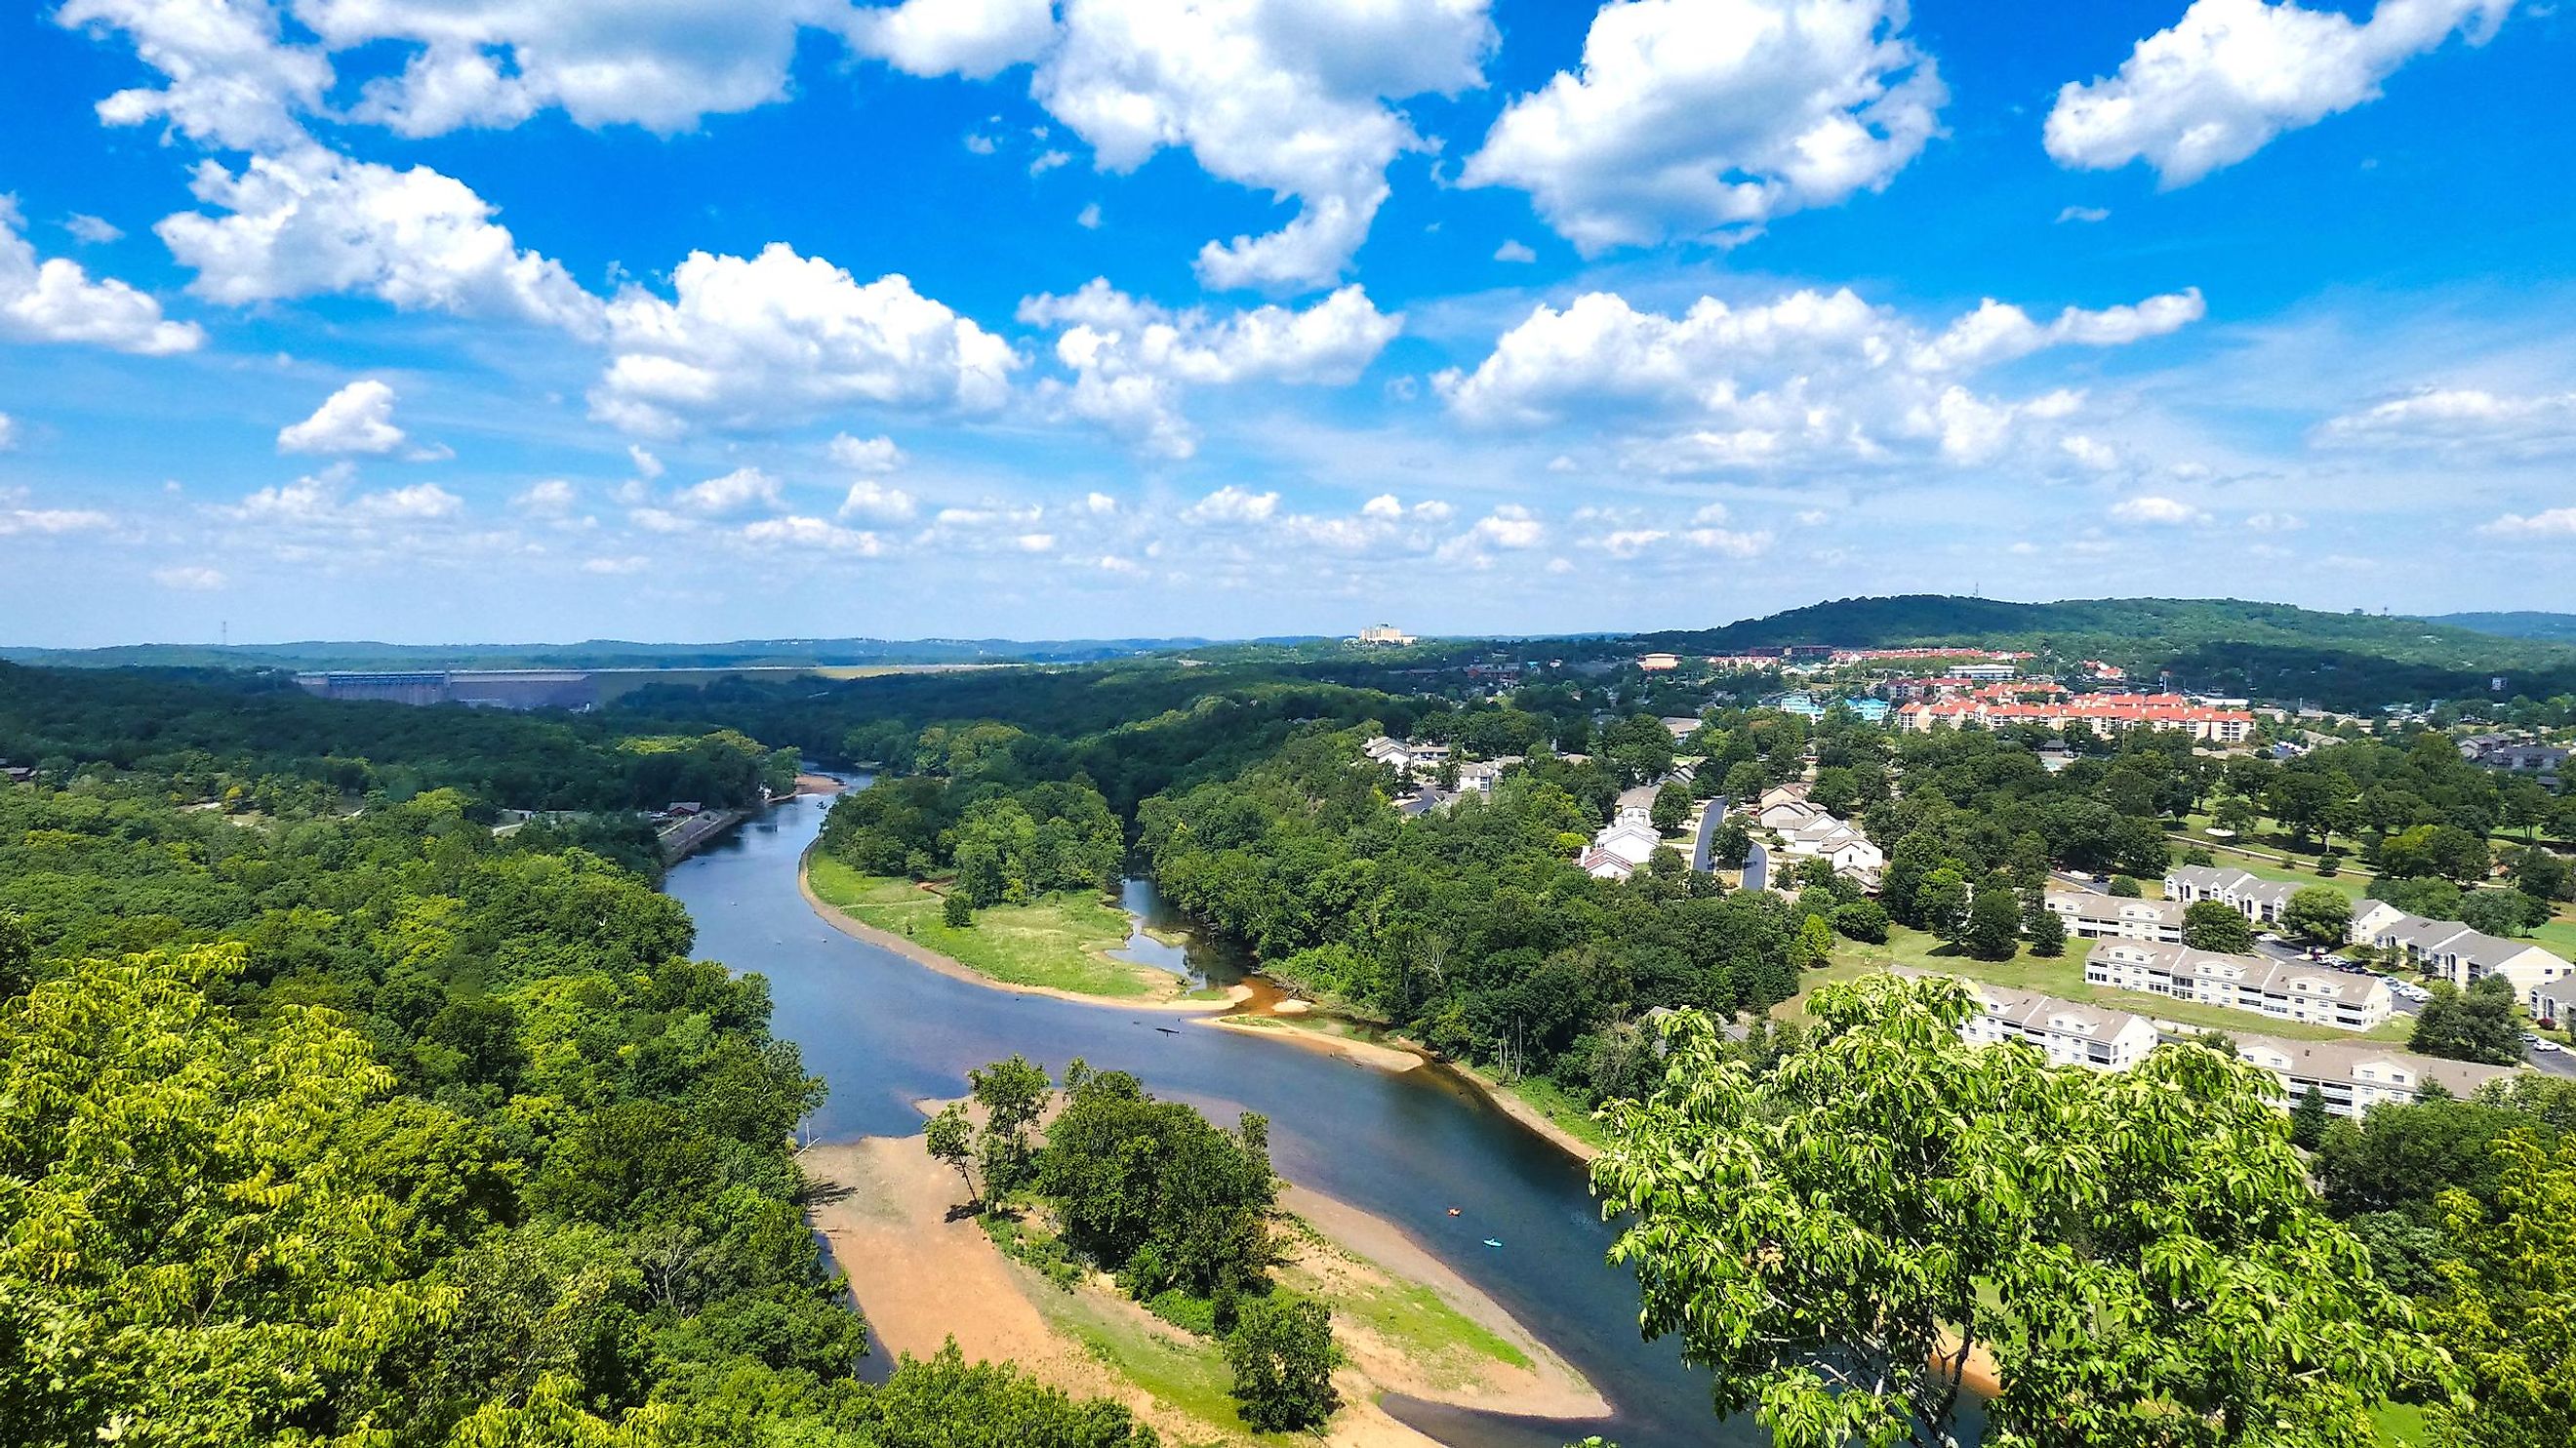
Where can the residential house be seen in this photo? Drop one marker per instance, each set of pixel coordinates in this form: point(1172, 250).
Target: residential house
point(2458, 954)
point(2355, 1076)
point(2283, 991)
point(2089, 916)
point(1620, 849)
point(1809, 832)
point(2258, 900)
point(1681, 726)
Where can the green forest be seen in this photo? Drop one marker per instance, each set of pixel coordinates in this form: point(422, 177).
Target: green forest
point(376, 1128)
point(252, 741)
point(446, 1139)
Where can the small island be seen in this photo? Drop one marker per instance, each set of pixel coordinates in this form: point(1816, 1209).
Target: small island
point(940, 1250)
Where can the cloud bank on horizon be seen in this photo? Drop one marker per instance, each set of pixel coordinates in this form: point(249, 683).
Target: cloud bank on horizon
point(728, 317)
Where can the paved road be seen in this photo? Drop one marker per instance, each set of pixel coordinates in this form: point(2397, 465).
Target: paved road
point(2557, 1063)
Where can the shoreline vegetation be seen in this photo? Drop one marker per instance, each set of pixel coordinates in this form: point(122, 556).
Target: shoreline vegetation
point(847, 900)
point(1409, 1325)
point(1058, 946)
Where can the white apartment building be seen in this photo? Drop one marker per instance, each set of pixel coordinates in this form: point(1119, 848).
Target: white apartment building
point(2112, 917)
point(2282, 991)
point(2355, 1076)
point(2258, 900)
point(2068, 1033)
point(2458, 954)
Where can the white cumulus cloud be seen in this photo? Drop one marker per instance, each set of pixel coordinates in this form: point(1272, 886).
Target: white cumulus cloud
point(1804, 378)
point(189, 578)
point(56, 301)
point(356, 419)
point(1289, 97)
point(869, 498)
point(2550, 523)
point(2461, 419)
point(865, 454)
point(2157, 512)
point(310, 222)
point(1231, 504)
point(1131, 360)
point(1702, 120)
point(663, 66)
point(742, 488)
point(2233, 74)
point(779, 336)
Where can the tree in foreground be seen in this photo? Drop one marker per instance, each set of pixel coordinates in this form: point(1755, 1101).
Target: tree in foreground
point(2138, 1253)
point(1282, 1354)
point(2510, 1314)
point(943, 1401)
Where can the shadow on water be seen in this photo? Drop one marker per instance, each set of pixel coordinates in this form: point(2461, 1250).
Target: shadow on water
point(1408, 1147)
point(1160, 936)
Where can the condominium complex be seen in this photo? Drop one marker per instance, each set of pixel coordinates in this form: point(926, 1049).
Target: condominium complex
point(2103, 713)
point(2286, 992)
point(2456, 953)
point(2351, 1077)
point(2089, 916)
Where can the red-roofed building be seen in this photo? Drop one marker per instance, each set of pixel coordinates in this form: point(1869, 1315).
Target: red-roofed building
point(2105, 713)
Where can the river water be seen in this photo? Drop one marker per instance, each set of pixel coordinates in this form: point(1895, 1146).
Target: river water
point(885, 1032)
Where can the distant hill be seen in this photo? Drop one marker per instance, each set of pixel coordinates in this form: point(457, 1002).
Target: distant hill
point(599, 654)
point(2268, 650)
point(2553, 627)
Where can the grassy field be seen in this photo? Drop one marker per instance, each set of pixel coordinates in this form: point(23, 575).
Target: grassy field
point(2062, 977)
point(1447, 1346)
point(1185, 1373)
point(1061, 942)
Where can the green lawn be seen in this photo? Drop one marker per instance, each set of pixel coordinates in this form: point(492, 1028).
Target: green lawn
point(1450, 1347)
point(1184, 1373)
point(2063, 977)
point(1061, 942)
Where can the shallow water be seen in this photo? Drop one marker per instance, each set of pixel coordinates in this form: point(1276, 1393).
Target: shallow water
point(886, 1032)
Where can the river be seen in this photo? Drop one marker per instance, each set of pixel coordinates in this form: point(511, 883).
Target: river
point(1407, 1146)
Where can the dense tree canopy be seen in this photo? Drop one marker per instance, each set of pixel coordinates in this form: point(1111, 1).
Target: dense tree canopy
point(2138, 1251)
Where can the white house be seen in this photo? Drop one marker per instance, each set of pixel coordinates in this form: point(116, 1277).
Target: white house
point(2355, 1076)
point(2251, 896)
point(2241, 982)
point(2112, 917)
point(1808, 832)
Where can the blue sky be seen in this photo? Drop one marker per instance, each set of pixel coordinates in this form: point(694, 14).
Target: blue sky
point(690, 319)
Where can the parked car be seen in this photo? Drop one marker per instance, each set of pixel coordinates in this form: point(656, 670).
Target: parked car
point(2269, 937)
point(2544, 1044)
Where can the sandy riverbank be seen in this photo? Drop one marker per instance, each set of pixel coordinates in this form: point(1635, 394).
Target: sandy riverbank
point(922, 1278)
point(922, 955)
point(1530, 1116)
point(1367, 1053)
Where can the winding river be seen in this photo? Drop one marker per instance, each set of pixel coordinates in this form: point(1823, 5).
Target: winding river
point(1408, 1147)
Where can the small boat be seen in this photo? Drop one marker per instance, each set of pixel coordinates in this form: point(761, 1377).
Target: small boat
point(1167, 1030)
point(1453, 1211)
point(1490, 1242)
